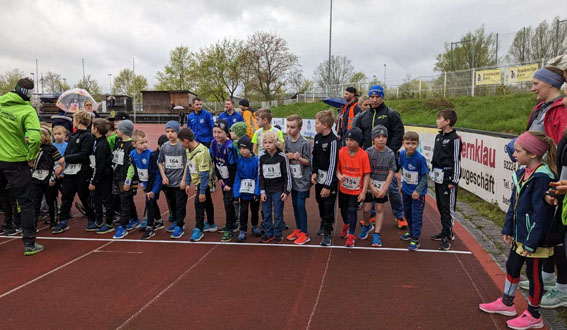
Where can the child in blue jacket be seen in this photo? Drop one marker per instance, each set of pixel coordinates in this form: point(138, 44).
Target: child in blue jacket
point(527, 225)
point(144, 162)
point(246, 188)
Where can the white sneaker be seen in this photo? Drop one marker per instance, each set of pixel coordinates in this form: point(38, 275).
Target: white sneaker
point(553, 299)
point(546, 285)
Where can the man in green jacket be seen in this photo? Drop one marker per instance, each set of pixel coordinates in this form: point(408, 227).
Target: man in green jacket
point(20, 141)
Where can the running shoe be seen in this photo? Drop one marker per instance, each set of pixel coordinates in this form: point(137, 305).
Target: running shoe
point(227, 236)
point(445, 244)
point(171, 228)
point(121, 232)
point(256, 231)
point(350, 241)
point(30, 250)
point(158, 225)
point(61, 227)
point(405, 237)
point(302, 239)
point(413, 245)
point(364, 231)
point(547, 285)
point(241, 236)
point(143, 225)
point(525, 321)
point(498, 307)
point(178, 232)
point(148, 233)
point(402, 223)
point(344, 231)
point(553, 299)
point(91, 226)
point(294, 235)
point(278, 240)
point(326, 240)
point(376, 240)
point(266, 239)
point(197, 235)
point(133, 224)
point(105, 229)
point(210, 228)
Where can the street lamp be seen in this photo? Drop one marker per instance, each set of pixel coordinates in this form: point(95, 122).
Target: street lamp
point(384, 74)
point(109, 83)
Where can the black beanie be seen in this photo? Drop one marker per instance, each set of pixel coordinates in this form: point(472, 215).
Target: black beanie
point(356, 134)
point(222, 124)
point(162, 139)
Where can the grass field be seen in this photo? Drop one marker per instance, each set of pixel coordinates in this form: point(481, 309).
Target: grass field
point(506, 114)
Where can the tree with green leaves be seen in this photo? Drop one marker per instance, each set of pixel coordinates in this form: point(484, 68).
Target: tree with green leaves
point(90, 85)
point(177, 74)
point(9, 79)
point(218, 69)
point(126, 83)
point(53, 82)
point(474, 50)
point(270, 64)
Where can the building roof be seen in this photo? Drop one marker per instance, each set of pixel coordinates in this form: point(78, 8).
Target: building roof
point(181, 91)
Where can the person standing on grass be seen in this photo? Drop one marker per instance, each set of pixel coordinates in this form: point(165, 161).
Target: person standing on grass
point(382, 166)
point(20, 141)
point(230, 115)
point(199, 170)
point(225, 156)
point(380, 114)
point(246, 188)
point(298, 152)
point(353, 172)
point(527, 225)
point(201, 123)
point(414, 187)
point(171, 164)
point(445, 172)
point(275, 186)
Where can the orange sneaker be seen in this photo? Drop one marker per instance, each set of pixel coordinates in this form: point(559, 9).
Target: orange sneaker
point(350, 241)
point(294, 235)
point(344, 231)
point(302, 239)
point(372, 220)
point(402, 223)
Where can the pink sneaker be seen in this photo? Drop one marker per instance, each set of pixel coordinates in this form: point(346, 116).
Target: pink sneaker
point(498, 307)
point(525, 321)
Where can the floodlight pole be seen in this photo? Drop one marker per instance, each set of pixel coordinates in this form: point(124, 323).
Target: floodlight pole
point(330, 34)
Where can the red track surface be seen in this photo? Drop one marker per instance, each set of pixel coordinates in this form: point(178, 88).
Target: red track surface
point(141, 285)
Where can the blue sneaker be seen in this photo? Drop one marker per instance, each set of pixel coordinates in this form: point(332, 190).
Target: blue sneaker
point(256, 231)
point(364, 231)
point(376, 240)
point(171, 227)
point(105, 229)
point(241, 236)
point(121, 232)
point(413, 245)
point(61, 227)
point(405, 237)
point(177, 233)
point(91, 226)
point(210, 228)
point(197, 235)
point(133, 224)
point(143, 225)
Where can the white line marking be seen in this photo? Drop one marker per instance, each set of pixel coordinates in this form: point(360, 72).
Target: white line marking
point(13, 238)
point(166, 289)
point(320, 290)
point(52, 271)
point(315, 246)
point(126, 252)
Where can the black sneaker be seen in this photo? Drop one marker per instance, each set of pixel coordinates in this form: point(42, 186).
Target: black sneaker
point(266, 239)
point(437, 237)
point(30, 250)
point(445, 244)
point(326, 240)
point(18, 229)
point(321, 232)
point(158, 225)
point(149, 233)
point(285, 226)
point(278, 240)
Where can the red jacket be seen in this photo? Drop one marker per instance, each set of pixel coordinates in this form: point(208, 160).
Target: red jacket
point(555, 120)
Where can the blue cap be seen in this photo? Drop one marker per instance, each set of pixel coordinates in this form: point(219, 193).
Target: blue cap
point(174, 125)
point(376, 90)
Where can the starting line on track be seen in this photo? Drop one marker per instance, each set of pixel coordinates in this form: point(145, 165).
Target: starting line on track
point(241, 244)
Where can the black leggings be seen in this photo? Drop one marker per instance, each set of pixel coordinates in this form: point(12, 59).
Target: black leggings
point(557, 260)
point(533, 271)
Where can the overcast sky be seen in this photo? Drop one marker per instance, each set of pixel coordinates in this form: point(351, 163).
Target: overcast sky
point(406, 35)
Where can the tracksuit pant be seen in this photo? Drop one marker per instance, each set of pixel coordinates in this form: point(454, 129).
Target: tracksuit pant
point(446, 202)
point(102, 195)
point(413, 210)
point(202, 207)
point(326, 207)
point(76, 184)
point(254, 207)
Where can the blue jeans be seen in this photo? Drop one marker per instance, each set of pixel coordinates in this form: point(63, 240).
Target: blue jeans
point(298, 199)
point(413, 209)
point(273, 228)
point(395, 198)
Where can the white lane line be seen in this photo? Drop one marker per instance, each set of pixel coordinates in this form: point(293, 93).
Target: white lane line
point(13, 238)
point(125, 252)
point(154, 299)
point(315, 246)
point(53, 271)
point(320, 290)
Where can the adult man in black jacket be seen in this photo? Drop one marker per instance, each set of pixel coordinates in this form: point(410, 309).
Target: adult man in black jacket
point(380, 114)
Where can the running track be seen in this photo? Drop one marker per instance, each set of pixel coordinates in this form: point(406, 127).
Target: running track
point(89, 281)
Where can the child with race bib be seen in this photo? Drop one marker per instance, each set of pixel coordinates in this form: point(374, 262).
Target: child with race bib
point(77, 171)
point(246, 187)
point(414, 187)
point(275, 186)
point(171, 164)
point(101, 180)
point(353, 172)
point(527, 225)
point(382, 167)
point(51, 196)
point(298, 152)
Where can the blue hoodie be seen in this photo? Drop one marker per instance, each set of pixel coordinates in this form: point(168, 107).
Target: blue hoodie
point(529, 217)
point(202, 125)
point(147, 161)
point(247, 169)
point(231, 119)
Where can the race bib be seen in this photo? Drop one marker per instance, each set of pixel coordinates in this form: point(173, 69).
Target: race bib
point(173, 162)
point(351, 183)
point(40, 174)
point(271, 171)
point(72, 169)
point(437, 175)
point(247, 186)
point(295, 170)
point(410, 177)
point(321, 176)
point(92, 158)
point(378, 185)
point(223, 170)
point(143, 174)
point(118, 157)
point(192, 167)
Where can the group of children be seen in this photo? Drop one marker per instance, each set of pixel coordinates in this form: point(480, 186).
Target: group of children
point(106, 169)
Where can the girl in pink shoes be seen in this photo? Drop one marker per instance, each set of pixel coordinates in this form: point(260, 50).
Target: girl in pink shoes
point(527, 225)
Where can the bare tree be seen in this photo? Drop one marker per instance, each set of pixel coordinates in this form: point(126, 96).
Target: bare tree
point(55, 83)
point(543, 42)
point(342, 73)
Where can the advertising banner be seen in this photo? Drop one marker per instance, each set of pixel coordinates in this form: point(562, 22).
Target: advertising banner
point(521, 73)
point(488, 77)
